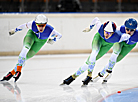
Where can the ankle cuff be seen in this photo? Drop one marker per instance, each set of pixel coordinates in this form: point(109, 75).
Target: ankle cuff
point(13, 72)
point(100, 74)
point(109, 71)
point(74, 76)
point(89, 74)
point(19, 68)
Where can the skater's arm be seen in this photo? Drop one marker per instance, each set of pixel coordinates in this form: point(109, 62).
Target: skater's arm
point(124, 37)
point(96, 22)
point(20, 27)
point(54, 36)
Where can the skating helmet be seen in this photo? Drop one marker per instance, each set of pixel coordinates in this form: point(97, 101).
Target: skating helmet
point(41, 19)
point(109, 26)
point(131, 23)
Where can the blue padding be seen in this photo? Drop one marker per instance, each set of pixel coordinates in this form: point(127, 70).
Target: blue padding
point(130, 95)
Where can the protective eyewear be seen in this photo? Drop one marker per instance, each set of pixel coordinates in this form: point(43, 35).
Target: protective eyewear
point(41, 25)
point(130, 29)
point(108, 32)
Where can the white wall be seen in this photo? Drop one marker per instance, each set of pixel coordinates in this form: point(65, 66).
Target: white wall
point(69, 25)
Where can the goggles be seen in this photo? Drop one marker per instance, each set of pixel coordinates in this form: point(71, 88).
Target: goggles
point(41, 25)
point(128, 29)
point(108, 32)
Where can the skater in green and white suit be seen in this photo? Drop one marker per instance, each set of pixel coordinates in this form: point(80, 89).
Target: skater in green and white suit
point(103, 40)
point(120, 50)
point(39, 33)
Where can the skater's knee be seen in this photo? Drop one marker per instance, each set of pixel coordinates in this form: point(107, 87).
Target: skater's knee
point(116, 52)
point(119, 58)
point(30, 54)
point(27, 46)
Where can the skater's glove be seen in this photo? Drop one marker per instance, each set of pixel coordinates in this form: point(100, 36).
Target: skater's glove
point(12, 32)
point(51, 41)
point(88, 29)
point(124, 37)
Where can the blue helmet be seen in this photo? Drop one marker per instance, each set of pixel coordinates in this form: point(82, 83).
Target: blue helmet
point(131, 23)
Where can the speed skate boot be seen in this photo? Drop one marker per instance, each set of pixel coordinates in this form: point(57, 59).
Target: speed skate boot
point(17, 75)
point(86, 80)
point(68, 80)
point(107, 76)
point(7, 77)
point(95, 79)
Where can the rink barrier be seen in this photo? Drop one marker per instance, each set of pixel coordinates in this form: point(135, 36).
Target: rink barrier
point(70, 25)
point(57, 52)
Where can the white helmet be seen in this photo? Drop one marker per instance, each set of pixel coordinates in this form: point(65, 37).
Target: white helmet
point(109, 26)
point(41, 19)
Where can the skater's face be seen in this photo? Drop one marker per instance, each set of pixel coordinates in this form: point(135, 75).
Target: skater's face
point(130, 31)
point(41, 27)
point(107, 35)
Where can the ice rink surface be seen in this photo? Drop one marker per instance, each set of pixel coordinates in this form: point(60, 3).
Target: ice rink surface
point(43, 74)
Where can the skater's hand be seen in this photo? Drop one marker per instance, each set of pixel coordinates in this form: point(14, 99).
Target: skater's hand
point(86, 30)
point(51, 41)
point(11, 32)
point(124, 37)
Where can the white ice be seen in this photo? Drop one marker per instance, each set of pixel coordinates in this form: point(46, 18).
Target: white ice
point(42, 75)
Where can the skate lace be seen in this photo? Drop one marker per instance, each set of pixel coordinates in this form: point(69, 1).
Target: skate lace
point(17, 74)
point(8, 75)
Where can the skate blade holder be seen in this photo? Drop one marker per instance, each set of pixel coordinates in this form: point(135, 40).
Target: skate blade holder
point(104, 81)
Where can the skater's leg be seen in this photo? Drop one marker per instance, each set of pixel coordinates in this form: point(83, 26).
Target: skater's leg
point(21, 61)
point(82, 69)
point(37, 45)
point(96, 45)
point(71, 78)
point(99, 48)
point(33, 47)
point(18, 67)
point(27, 43)
point(106, 72)
point(120, 50)
point(125, 50)
point(91, 62)
point(105, 47)
point(110, 64)
point(103, 50)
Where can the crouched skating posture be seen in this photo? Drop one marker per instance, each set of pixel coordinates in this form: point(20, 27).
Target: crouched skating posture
point(39, 32)
point(103, 40)
point(120, 49)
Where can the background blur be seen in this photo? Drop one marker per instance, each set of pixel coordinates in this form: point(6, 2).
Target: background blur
point(68, 17)
point(68, 5)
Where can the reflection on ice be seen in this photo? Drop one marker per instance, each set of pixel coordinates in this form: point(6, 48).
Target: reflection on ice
point(40, 81)
point(14, 89)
